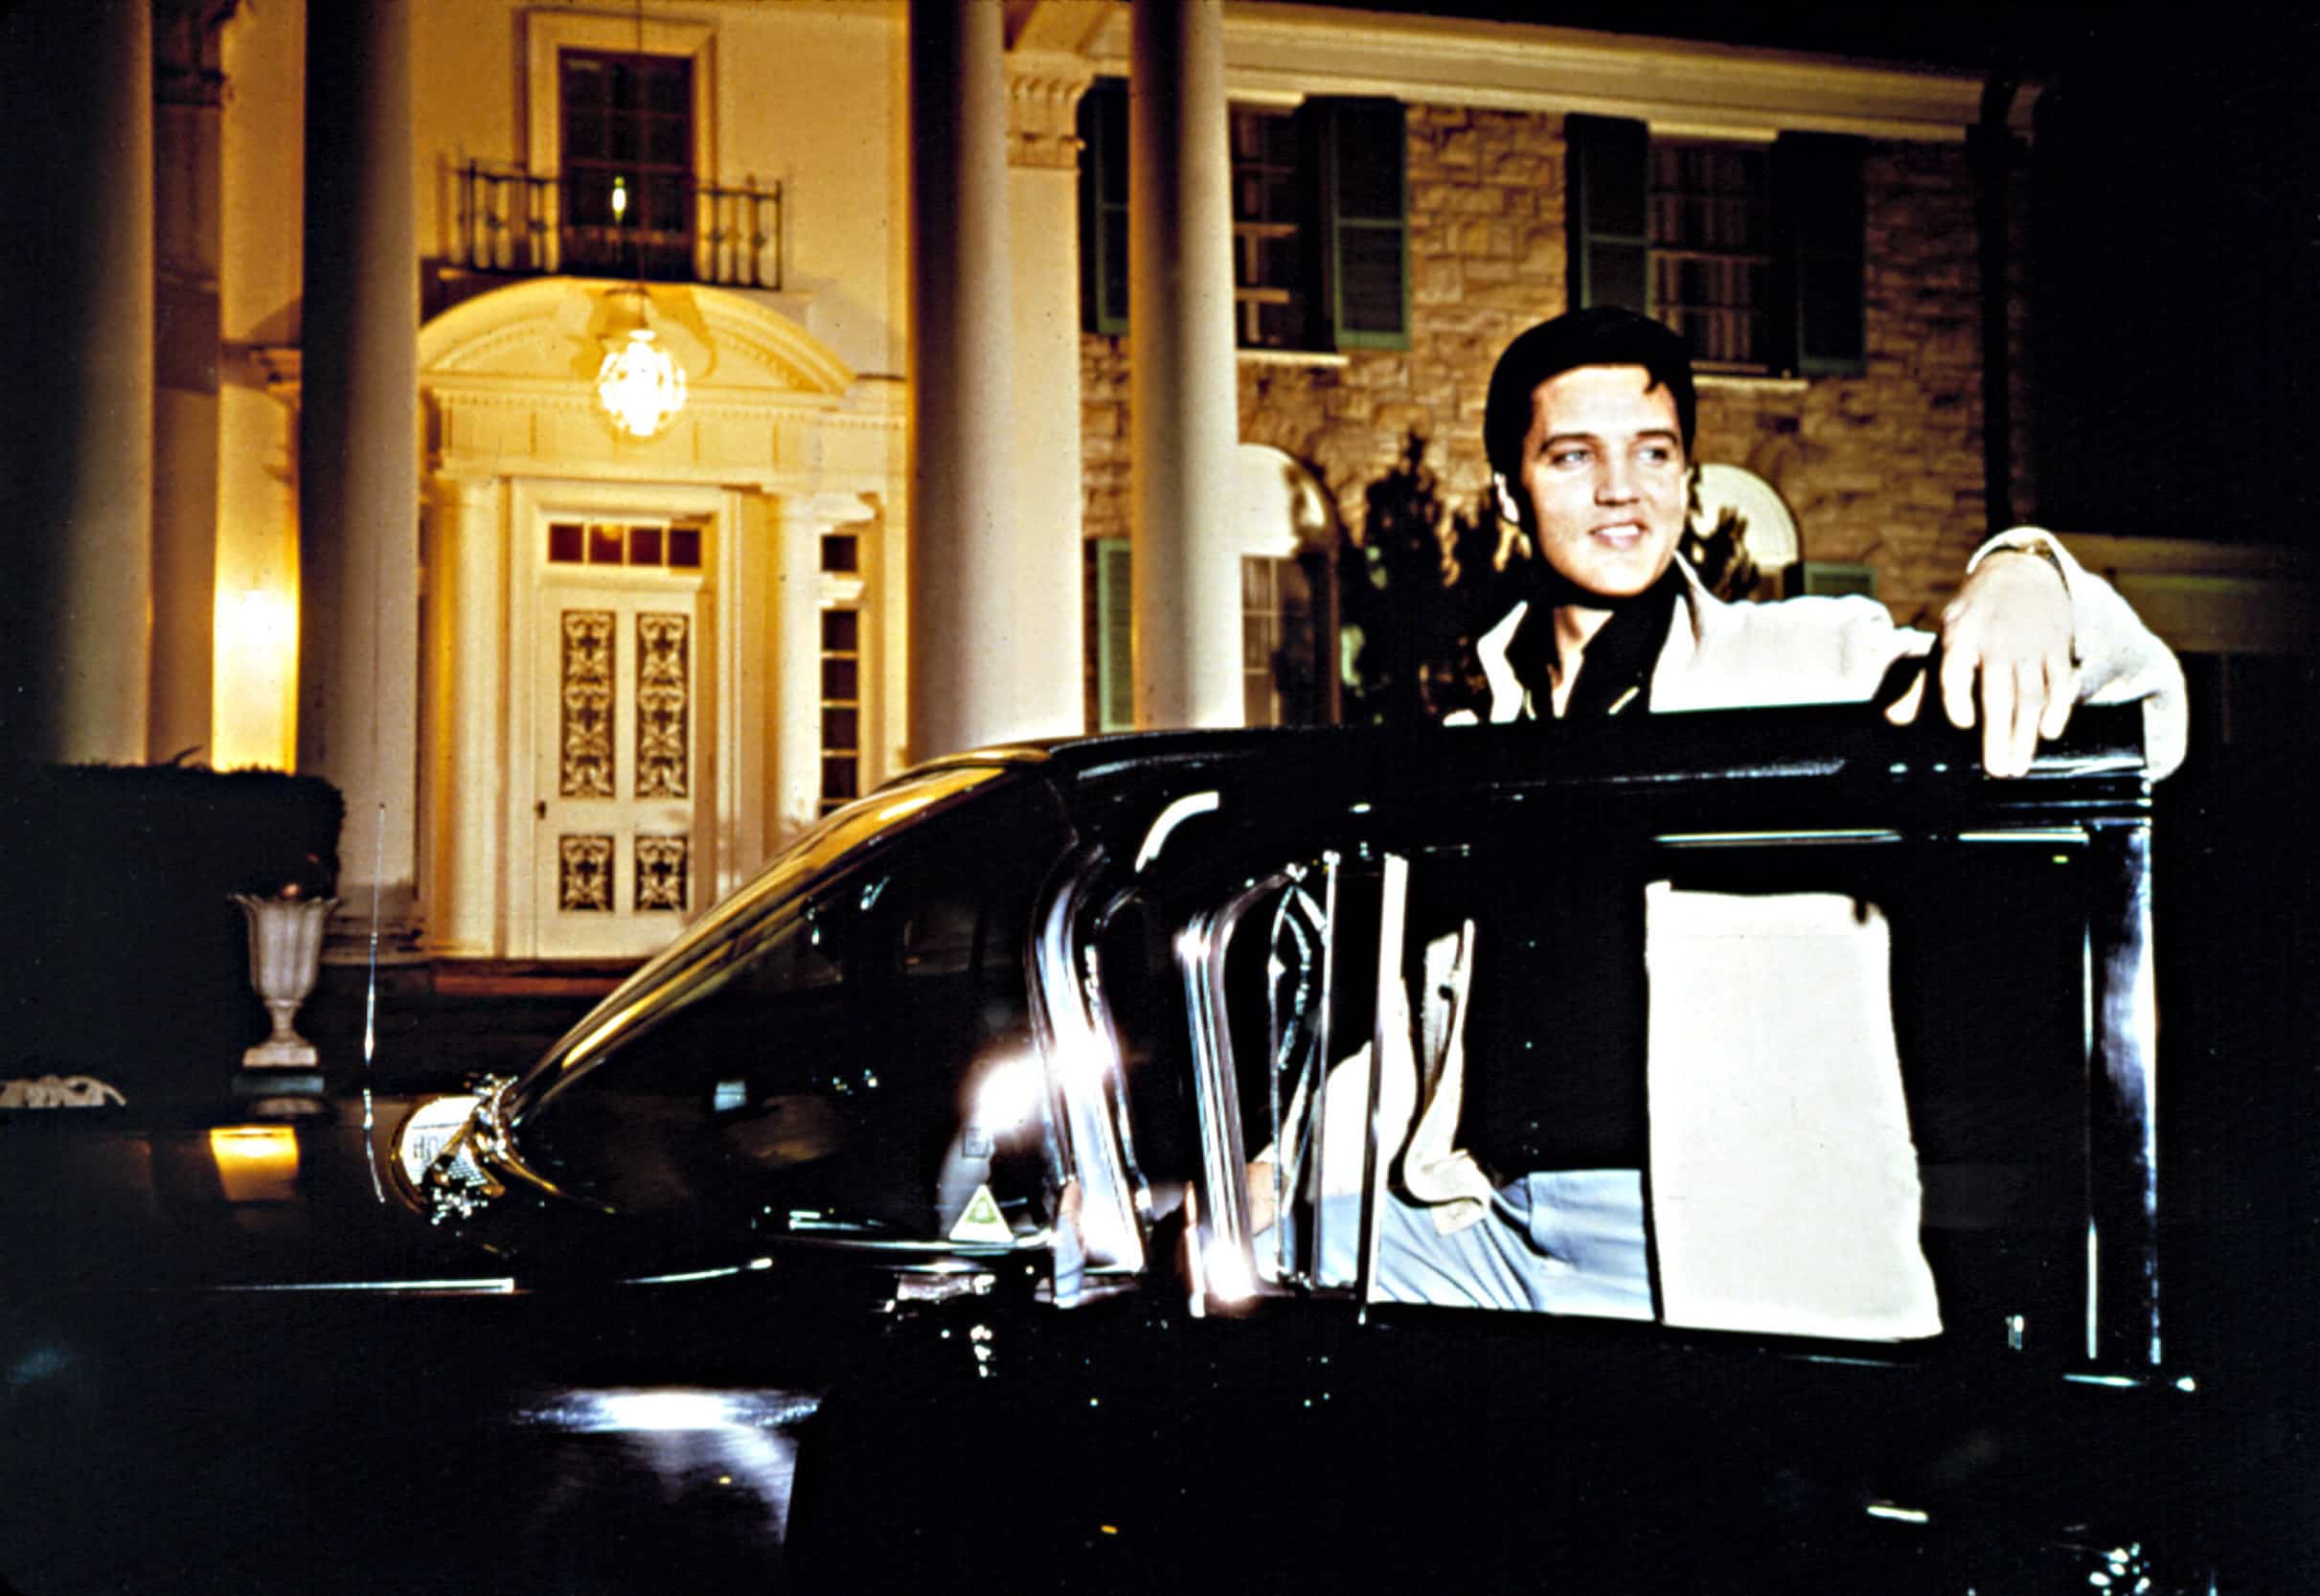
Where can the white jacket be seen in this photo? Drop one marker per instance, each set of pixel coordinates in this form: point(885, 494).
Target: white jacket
point(1785, 1187)
point(1819, 651)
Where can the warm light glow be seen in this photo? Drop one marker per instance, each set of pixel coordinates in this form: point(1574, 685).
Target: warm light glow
point(641, 385)
point(256, 1163)
point(252, 709)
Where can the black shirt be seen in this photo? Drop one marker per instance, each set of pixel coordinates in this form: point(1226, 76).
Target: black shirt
point(1558, 1011)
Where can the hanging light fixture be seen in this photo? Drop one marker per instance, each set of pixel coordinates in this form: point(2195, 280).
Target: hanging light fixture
point(641, 385)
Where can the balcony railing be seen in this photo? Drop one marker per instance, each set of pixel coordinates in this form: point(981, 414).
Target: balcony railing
point(523, 223)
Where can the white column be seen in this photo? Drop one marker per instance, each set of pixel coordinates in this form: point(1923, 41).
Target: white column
point(358, 451)
point(1043, 213)
point(76, 186)
point(465, 846)
point(983, 638)
point(1183, 416)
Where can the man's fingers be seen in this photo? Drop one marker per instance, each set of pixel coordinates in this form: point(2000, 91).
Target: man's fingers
point(2061, 697)
point(1999, 733)
point(1959, 667)
point(1904, 709)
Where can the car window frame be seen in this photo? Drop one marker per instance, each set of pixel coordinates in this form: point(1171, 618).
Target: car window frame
point(2109, 815)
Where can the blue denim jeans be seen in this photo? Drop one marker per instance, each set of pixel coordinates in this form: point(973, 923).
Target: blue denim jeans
point(1555, 1241)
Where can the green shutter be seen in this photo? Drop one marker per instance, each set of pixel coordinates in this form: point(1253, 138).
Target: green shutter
point(1104, 206)
point(1607, 170)
point(1821, 216)
point(1365, 234)
point(1110, 636)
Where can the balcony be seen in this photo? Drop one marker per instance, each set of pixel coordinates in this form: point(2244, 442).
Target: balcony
point(513, 222)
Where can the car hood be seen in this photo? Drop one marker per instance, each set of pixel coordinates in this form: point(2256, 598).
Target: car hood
point(127, 1199)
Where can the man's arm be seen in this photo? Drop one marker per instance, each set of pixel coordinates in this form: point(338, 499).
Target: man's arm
point(2032, 633)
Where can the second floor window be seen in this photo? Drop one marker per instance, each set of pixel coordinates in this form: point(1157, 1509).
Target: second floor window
point(1754, 252)
point(1711, 231)
point(627, 158)
point(1320, 221)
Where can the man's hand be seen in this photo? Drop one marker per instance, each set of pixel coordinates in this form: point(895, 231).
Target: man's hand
point(2007, 633)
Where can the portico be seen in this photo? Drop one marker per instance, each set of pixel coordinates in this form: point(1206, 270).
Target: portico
point(621, 638)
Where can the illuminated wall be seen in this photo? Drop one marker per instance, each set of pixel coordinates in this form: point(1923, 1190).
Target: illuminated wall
point(254, 635)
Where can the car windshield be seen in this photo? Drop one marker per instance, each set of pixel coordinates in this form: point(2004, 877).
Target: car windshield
point(848, 1051)
point(666, 979)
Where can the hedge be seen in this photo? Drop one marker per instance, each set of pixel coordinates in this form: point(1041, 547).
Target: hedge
point(123, 955)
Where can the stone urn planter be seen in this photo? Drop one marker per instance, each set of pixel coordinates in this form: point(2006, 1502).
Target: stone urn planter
point(285, 954)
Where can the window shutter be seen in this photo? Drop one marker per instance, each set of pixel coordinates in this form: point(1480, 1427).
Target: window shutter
point(1821, 214)
point(1104, 206)
point(1364, 222)
point(1608, 168)
point(1115, 708)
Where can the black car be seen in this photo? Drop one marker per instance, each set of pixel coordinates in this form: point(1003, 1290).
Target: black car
point(989, 1194)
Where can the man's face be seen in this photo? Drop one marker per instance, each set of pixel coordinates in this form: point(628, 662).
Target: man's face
point(1603, 470)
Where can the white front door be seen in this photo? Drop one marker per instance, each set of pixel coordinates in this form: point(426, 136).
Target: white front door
point(618, 843)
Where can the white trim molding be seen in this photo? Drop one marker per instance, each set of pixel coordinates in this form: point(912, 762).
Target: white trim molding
point(1278, 51)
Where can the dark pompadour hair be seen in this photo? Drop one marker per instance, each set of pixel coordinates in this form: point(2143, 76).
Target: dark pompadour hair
point(1599, 335)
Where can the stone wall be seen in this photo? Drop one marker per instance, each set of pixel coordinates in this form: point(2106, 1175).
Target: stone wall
point(1883, 469)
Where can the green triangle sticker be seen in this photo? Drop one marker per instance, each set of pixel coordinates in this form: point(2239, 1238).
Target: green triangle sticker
point(982, 1221)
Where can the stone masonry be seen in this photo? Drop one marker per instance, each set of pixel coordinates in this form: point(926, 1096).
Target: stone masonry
point(1883, 469)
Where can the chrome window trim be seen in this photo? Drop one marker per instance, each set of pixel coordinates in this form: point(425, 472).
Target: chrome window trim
point(1089, 1137)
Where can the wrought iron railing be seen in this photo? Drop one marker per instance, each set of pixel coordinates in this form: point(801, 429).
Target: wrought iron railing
point(524, 225)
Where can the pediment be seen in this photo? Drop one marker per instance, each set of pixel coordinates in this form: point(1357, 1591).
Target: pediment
point(557, 330)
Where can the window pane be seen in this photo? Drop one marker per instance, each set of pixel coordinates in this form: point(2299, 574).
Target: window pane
point(685, 548)
point(627, 132)
point(564, 544)
point(841, 552)
point(841, 633)
point(607, 546)
point(584, 136)
point(644, 545)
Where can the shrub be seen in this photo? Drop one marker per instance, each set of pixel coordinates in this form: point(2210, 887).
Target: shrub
point(124, 956)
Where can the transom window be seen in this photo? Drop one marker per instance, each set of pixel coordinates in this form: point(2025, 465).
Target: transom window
point(674, 547)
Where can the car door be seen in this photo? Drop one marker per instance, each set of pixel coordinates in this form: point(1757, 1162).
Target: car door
point(1883, 1047)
